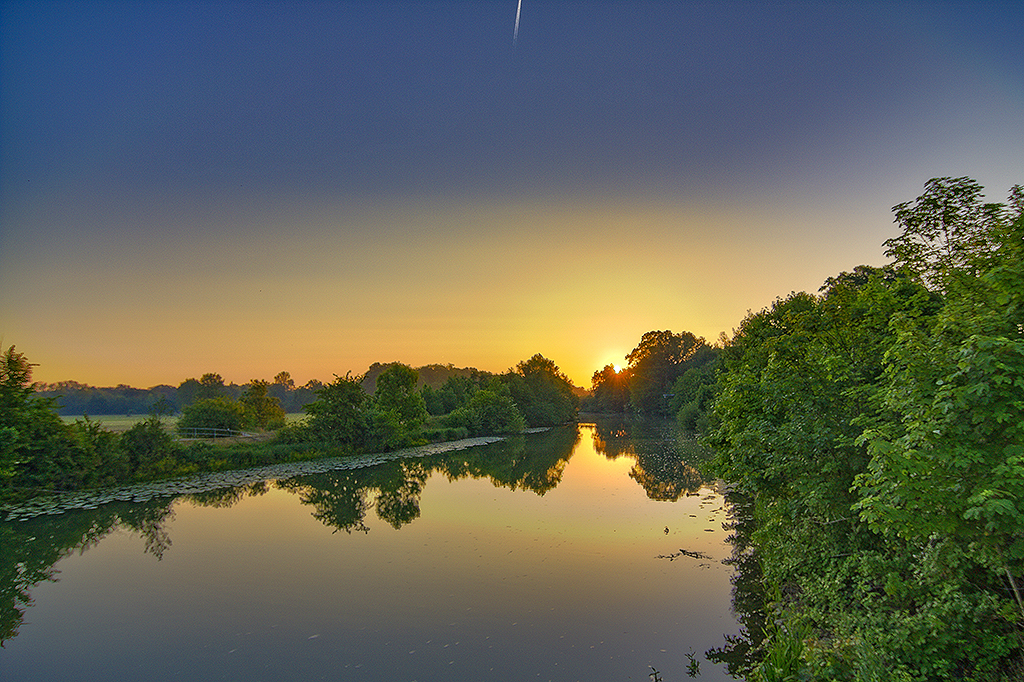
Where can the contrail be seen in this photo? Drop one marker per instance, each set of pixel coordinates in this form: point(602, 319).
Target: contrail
point(515, 34)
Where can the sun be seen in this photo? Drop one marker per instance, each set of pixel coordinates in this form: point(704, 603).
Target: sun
point(617, 368)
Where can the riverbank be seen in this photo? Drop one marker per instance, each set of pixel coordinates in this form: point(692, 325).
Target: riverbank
point(60, 502)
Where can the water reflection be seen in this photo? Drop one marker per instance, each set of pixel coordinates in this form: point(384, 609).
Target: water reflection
point(30, 549)
point(534, 463)
point(666, 465)
point(227, 496)
point(342, 500)
point(740, 652)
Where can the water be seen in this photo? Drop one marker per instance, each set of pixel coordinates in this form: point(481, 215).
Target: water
point(573, 554)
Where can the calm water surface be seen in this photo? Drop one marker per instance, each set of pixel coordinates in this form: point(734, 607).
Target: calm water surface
point(550, 556)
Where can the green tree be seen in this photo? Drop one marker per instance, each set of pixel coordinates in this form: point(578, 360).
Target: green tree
point(654, 366)
point(303, 395)
point(15, 400)
point(490, 411)
point(542, 393)
point(283, 388)
point(692, 393)
point(161, 407)
point(432, 400)
point(210, 386)
point(609, 390)
point(946, 230)
point(457, 390)
point(396, 393)
point(212, 413)
point(33, 439)
point(260, 409)
point(878, 427)
point(187, 392)
point(145, 444)
point(337, 415)
point(950, 462)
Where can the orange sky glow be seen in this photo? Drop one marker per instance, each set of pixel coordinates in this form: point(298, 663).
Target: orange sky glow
point(314, 187)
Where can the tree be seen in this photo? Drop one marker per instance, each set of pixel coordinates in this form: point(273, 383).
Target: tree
point(260, 408)
point(490, 411)
point(283, 388)
point(337, 415)
point(692, 393)
point(146, 443)
point(396, 393)
point(950, 464)
point(210, 386)
point(432, 400)
point(33, 439)
point(879, 428)
point(610, 390)
point(655, 364)
point(161, 407)
point(212, 413)
point(946, 229)
point(457, 390)
point(188, 392)
point(15, 401)
point(542, 393)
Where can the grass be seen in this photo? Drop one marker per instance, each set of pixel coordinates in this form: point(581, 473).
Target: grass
point(119, 422)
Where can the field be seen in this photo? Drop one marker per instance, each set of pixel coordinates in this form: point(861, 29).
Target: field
point(118, 423)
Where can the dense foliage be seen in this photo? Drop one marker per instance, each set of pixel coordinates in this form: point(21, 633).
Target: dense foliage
point(535, 393)
point(668, 375)
point(879, 428)
point(541, 392)
point(74, 399)
point(208, 414)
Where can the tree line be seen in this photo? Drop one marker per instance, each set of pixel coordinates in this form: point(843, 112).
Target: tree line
point(878, 427)
point(74, 399)
point(668, 375)
point(39, 452)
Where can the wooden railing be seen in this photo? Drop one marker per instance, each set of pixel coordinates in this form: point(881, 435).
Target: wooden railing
point(206, 432)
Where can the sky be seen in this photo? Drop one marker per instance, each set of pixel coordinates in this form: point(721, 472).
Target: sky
point(250, 187)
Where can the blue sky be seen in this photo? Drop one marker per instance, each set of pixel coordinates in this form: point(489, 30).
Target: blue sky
point(250, 187)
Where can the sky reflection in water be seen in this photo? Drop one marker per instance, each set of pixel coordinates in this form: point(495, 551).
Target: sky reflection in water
point(539, 558)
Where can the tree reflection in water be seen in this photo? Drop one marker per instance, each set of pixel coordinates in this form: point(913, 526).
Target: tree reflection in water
point(534, 463)
point(665, 466)
point(741, 652)
point(342, 499)
point(666, 461)
point(30, 549)
point(228, 496)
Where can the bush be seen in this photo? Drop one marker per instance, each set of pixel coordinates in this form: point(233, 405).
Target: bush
point(212, 413)
point(336, 416)
point(383, 432)
point(487, 413)
point(145, 444)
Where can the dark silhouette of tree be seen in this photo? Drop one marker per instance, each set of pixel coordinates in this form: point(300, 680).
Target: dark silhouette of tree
point(655, 364)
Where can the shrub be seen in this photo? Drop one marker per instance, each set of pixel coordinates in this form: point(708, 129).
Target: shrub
point(212, 413)
point(146, 443)
point(487, 413)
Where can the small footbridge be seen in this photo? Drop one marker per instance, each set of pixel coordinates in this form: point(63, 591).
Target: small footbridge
point(206, 433)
